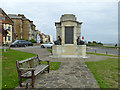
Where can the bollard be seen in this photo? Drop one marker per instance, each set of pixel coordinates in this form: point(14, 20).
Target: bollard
point(95, 51)
point(106, 52)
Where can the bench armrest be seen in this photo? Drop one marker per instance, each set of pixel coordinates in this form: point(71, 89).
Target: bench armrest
point(27, 69)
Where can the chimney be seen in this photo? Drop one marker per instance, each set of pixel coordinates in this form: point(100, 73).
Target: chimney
point(22, 15)
point(31, 22)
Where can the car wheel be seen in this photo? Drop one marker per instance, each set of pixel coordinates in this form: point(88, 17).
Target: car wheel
point(42, 46)
point(25, 45)
point(16, 45)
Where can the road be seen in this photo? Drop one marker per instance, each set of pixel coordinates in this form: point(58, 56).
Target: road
point(103, 50)
point(89, 49)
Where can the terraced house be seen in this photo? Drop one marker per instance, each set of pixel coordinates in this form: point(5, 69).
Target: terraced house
point(6, 24)
point(23, 27)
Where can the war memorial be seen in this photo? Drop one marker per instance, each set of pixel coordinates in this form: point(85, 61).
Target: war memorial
point(68, 35)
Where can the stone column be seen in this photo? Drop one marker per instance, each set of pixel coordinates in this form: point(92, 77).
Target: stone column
point(75, 35)
point(63, 34)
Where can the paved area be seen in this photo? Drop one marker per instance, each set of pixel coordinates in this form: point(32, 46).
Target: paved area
point(42, 52)
point(73, 72)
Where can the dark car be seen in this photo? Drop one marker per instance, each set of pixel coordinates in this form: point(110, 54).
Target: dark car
point(20, 43)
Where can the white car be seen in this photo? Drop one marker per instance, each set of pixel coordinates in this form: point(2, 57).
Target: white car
point(47, 45)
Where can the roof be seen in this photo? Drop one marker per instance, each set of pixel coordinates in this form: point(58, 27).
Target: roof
point(67, 21)
point(6, 15)
point(15, 16)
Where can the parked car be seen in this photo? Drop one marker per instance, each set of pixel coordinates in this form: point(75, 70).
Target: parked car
point(20, 43)
point(47, 45)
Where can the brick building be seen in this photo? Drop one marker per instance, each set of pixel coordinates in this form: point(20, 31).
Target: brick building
point(23, 27)
point(5, 24)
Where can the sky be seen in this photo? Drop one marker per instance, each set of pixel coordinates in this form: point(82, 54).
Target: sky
point(99, 17)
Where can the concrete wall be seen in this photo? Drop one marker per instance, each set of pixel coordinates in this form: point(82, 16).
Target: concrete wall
point(73, 50)
point(66, 17)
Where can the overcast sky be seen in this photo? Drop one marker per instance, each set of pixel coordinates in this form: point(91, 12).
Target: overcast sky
point(100, 19)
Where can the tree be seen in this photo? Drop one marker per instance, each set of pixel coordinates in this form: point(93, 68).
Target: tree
point(100, 43)
point(33, 41)
point(4, 33)
point(94, 42)
point(89, 42)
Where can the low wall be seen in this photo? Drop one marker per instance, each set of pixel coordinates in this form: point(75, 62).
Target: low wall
point(69, 50)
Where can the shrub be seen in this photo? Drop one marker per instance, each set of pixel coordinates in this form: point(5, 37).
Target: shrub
point(100, 43)
point(89, 42)
point(94, 42)
point(33, 41)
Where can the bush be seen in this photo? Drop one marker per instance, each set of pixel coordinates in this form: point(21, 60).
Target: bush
point(33, 41)
point(94, 42)
point(100, 43)
point(21, 39)
point(89, 42)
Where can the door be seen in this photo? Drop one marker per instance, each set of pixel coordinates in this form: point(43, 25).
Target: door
point(68, 35)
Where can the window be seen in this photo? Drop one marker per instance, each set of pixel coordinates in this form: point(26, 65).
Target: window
point(51, 43)
point(9, 28)
point(5, 27)
point(9, 38)
point(3, 18)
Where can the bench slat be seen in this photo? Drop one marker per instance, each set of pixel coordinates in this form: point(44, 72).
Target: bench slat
point(38, 69)
point(29, 59)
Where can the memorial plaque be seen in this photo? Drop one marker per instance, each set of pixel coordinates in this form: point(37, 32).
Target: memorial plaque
point(68, 35)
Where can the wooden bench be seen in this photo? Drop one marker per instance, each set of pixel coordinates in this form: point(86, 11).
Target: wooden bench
point(30, 68)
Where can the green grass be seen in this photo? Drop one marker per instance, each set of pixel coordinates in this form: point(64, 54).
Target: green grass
point(53, 65)
point(50, 50)
point(9, 71)
point(105, 72)
point(110, 47)
point(102, 54)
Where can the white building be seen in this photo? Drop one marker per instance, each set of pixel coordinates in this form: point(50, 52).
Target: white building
point(51, 38)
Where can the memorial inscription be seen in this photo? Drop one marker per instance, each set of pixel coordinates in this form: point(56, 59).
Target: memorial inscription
point(69, 35)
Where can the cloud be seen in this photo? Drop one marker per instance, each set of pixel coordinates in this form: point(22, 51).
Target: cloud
point(100, 20)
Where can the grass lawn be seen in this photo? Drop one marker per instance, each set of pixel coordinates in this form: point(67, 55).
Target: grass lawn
point(102, 54)
point(53, 65)
point(105, 72)
point(50, 50)
point(9, 72)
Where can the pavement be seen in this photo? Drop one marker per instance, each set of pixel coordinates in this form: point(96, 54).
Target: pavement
point(73, 72)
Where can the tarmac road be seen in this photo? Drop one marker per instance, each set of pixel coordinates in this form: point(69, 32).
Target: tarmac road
point(89, 49)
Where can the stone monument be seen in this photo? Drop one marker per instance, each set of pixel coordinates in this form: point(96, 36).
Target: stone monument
point(68, 34)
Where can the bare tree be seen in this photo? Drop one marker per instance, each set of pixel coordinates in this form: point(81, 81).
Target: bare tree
point(4, 33)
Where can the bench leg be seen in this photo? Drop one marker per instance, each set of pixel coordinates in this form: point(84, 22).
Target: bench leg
point(20, 81)
point(33, 79)
point(48, 69)
point(48, 66)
